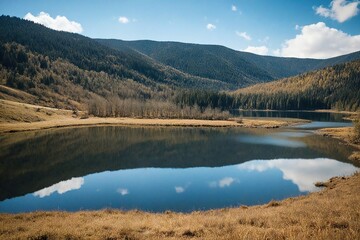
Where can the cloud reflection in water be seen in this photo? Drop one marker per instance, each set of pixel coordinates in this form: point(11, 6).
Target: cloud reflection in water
point(123, 191)
point(302, 172)
point(272, 140)
point(224, 182)
point(61, 187)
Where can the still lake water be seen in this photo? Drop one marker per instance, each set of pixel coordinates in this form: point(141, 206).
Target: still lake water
point(158, 169)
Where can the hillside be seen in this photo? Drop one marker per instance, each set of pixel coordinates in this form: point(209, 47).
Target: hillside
point(218, 62)
point(87, 54)
point(63, 69)
point(335, 87)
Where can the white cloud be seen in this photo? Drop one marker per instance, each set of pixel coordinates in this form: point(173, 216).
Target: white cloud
point(210, 27)
point(341, 10)
point(123, 20)
point(179, 189)
point(261, 50)
point(319, 41)
point(302, 172)
point(60, 23)
point(61, 187)
point(297, 27)
point(243, 35)
point(122, 191)
point(233, 8)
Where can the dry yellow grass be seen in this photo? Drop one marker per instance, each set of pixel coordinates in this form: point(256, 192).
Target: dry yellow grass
point(343, 133)
point(16, 116)
point(333, 213)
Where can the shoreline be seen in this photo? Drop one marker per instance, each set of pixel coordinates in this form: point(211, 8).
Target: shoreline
point(20, 117)
point(343, 134)
point(146, 122)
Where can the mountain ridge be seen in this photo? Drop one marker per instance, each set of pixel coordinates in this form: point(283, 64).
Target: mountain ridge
point(268, 67)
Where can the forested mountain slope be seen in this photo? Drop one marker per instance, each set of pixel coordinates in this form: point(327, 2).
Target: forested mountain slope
point(225, 64)
point(336, 87)
point(87, 54)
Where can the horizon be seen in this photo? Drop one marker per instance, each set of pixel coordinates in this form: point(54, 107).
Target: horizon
point(320, 30)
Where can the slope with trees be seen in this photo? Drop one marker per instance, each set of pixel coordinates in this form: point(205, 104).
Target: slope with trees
point(217, 62)
point(87, 54)
point(335, 87)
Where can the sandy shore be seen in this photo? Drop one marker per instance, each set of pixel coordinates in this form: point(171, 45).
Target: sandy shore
point(17, 117)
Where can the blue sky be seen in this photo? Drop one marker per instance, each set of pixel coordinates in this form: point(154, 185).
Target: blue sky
point(299, 28)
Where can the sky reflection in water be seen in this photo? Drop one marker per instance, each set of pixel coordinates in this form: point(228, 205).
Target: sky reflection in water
point(155, 189)
point(158, 169)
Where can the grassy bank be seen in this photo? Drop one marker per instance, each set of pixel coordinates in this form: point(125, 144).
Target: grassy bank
point(345, 134)
point(15, 116)
point(332, 213)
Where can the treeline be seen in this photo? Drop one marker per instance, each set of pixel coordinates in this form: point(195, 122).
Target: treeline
point(334, 87)
point(116, 107)
point(205, 99)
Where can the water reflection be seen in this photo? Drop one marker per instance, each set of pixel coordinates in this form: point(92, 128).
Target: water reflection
point(153, 189)
point(302, 172)
point(310, 115)
point(61, 187)
point(293, 134)
point(156, 168)
point(179, 189)
point(272, 140)
point(225, 182)
point(317, 125)
point(122, 191)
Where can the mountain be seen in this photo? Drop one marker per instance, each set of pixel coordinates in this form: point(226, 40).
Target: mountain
point(67, 69)
point(227, 65)
point(88, 54)
point(335, 87)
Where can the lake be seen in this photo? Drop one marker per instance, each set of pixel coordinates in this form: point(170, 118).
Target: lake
point(158, 169)
point(309, 115)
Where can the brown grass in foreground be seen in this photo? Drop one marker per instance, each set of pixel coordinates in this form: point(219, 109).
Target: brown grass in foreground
point(333, 213)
